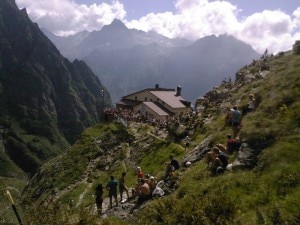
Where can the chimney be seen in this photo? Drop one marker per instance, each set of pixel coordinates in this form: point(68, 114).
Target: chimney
point(156, 86)
point(178, 91)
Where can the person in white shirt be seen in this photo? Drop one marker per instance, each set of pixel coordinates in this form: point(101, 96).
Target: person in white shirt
point(251, 103)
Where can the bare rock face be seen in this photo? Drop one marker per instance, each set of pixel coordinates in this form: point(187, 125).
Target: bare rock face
point(247, 158)
point(198, 152)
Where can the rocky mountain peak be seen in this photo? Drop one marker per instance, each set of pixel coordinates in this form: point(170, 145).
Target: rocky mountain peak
point(116, 25)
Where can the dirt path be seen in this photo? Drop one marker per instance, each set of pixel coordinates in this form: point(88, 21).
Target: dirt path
point(92, 165)
point(123, 210)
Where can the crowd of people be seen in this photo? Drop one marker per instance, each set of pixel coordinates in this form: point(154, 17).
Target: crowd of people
point(217, 157)
point(190, 119)
point(145, 188)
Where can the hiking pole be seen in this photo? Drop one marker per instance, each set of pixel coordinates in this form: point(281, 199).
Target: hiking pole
point(10, 199)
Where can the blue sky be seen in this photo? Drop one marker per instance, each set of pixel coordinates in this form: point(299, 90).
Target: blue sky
point(272, 24)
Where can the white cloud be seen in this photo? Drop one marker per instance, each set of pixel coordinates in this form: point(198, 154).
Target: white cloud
point(192, 19)
point(296, 21)
point(268, 29)
point(65, 17)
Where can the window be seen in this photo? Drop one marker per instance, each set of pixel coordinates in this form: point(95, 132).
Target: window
point(145, 99)
point(135, 97)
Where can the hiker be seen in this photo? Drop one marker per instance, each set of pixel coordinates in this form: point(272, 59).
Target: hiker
point(217, 161)
point(123, 187)
point(222, 147)
point(99, 198)
point(152, 181)
point(251, 103)
point(169, 171)
point(71, 203)
point(236, 118)
point(112, 187)
point(223, 158)
point(143, 191)
point(213, 162)
point(187, 142)
point(174, 162)
point(232, 144)
point(140, 174)
point(228, 116)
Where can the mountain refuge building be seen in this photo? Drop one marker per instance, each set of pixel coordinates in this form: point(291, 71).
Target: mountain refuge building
point(157, 102)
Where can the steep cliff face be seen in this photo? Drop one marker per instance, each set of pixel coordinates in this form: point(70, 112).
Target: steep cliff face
point(45, 100)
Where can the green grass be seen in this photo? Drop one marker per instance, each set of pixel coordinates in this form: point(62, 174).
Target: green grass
point(74, 194)
point(267, 194)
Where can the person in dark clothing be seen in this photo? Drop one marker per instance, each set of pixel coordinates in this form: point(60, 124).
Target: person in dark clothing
point(223, 159)
point(232, 144)
point(99, 198)
point(112, 187)
point(174, 162)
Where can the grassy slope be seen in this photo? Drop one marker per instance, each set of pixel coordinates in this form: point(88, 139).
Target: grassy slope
point(267, 194)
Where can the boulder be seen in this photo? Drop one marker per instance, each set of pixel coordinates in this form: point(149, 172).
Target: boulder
point(247, 158)
point(198, 152)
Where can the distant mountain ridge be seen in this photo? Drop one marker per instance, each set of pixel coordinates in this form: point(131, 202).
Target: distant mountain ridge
point(115, 36)
point(45, 100)
point(128, 60)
